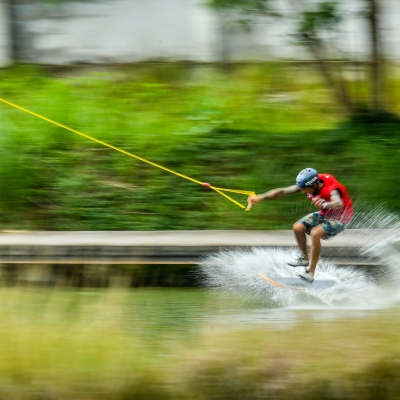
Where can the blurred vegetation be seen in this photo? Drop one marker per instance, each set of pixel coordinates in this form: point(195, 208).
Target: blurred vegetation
point(252, 129)
point(158, 345)
point(317, 23)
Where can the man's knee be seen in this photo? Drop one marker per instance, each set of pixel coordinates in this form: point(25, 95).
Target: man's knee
point(299, 227)
point(317, 232)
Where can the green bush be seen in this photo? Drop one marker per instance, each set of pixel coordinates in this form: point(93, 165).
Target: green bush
point(252, 130)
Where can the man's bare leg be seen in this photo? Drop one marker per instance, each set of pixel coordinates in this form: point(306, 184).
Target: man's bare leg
point(300, 234)
point(316, 235)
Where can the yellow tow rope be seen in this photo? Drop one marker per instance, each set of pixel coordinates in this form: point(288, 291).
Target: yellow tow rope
point(204, 184)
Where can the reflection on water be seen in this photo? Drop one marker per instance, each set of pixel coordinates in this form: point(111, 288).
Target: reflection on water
point(285, 318)
point(154, 314)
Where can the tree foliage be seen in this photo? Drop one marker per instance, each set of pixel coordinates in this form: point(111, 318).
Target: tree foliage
point(255, 7)
point(325, 16)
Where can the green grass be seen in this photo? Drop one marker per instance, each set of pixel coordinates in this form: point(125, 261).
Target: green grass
point(253, 129)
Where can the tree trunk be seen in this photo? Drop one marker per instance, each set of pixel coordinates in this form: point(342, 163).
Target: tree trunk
point(224, 42)
point(337, 86)
point(376, 63)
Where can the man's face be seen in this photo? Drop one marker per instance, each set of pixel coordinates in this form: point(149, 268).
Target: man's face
point(308, 190)
point(315, 188)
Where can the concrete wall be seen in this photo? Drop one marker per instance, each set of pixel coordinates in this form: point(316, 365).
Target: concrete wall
point(106, 31)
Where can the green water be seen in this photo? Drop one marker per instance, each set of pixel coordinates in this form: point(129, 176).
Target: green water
point(157, 314)
point(149, 313)
point(179, 344)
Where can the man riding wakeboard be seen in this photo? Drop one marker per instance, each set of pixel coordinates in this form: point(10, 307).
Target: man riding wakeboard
point(335, 210)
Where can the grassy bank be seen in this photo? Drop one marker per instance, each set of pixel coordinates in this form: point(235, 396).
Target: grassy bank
point(111, 345)
point(253, 129)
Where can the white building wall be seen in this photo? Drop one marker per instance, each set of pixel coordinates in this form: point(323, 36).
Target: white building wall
point(116, 31)
point(108, 31)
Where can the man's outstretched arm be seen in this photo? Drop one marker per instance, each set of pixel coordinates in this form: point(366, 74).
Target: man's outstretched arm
point(271, 194)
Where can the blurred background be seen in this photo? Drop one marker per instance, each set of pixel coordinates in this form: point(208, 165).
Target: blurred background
point(242, 94)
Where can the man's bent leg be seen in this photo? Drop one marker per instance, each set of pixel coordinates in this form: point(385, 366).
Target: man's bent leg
point(300, 234)
point(316, 234)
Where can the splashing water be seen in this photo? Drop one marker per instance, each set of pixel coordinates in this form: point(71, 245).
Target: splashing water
point(386, 246)
point(236, 272)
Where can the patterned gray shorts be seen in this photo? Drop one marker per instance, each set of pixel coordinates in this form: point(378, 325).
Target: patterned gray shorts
point(331, 226)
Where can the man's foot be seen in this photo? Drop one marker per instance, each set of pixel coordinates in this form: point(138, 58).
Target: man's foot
point(298, 262)
point(307, 276)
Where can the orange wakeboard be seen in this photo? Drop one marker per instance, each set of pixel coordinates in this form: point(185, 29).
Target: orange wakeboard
point(279, 285)
point(298, 284)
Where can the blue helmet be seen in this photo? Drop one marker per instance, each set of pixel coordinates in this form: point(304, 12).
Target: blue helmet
point(307, 178)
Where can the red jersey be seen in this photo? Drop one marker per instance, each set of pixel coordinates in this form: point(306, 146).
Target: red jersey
point(343, 213)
